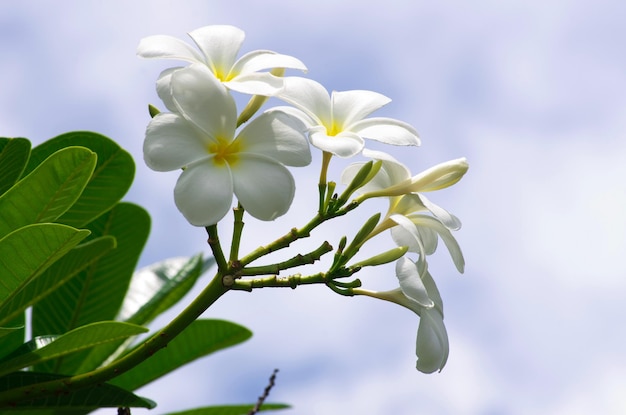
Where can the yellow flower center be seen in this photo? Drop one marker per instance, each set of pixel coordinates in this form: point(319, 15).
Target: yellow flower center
point(334, 129)
point(223, 74)
point(224, 151)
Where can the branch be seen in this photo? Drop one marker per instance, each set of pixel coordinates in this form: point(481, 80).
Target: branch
point(266, 392)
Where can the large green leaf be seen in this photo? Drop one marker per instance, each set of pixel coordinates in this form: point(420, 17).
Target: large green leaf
point(96, 293)
point(45, 348)
point(201, 338)
point(49, 191)
point(231, 409)
point(110, 180)
point(14, 153)
point(67, 267)
point(13, 336)
point(28, 251)
point(153, 290)
point(89, 398)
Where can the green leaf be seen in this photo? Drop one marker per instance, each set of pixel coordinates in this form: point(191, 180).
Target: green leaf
point(64, 269)
point(231, 409)
point(14, 153)
point(89, 398)
point(153, 290)
point(50, 347)
point(96, 293)
point(111, 178)
point(49, 191)
point(28, 251)
point(201, 338)
point(13, 335)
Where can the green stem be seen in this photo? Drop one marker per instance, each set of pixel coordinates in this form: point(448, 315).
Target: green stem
point(237, 231)
point(296, 261)
point(214, 290)
point(216, 248)
point(291, 281)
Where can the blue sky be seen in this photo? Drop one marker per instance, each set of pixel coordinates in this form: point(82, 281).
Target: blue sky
point(531, 92)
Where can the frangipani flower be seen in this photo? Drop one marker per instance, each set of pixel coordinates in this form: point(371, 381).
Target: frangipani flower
point(337, 122)
point(200, 139)
point(219, 46)
point(420, 294)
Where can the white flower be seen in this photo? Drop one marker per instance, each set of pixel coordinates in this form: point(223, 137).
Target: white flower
point(337, 123)
point(420, 294)
point(200, 138)
point(406, 217)
point(218, 48)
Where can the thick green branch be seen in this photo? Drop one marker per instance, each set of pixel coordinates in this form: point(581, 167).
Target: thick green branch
point(296, 261)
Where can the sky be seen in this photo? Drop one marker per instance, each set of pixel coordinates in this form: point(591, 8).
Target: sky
point(531, 92)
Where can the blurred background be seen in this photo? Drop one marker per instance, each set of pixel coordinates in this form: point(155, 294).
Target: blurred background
point(533, 93)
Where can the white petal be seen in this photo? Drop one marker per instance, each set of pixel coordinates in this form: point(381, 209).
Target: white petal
point(449, 220)
point(440, 176)
point(446, 236)
point(433, 291)
point(263, 83)
point(309, 96)
point(265, 59)
point(164, 89)
point(204, 193)
point(409, 203)
point(406, 234)
point(171, 143)
point(264, 187)
point(299, 114)
point(343, 145)
point(204, 101)
point(411, 283)
point(386, 130)
point(220, 45)
point(432, 345)
point(351, 106)
point(167, 47)
point(276, 135)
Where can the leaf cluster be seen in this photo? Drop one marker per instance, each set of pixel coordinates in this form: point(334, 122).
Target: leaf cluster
point(71, 301)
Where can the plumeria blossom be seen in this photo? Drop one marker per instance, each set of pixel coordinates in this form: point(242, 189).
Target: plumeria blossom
point(415, 221)
point(199, 137)
point(218, 49)
point(338, 122)
point(420, 294)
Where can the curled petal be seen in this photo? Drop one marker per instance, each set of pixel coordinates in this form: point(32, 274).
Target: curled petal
point(167, 47)
point(263, 83)
point(411, 283)
point(164, 88)
point(344, 144)
point(172, 143)
point(264, 187)
point(432, 345)
point(279, 136)
point(204, 193)
point(265, 59)
point(204, 101)
point(448, 219)
point(349, 107)
point(220, 45)
point(386, 130)
point(439, 177)
point(309, 96)
point(446, 236)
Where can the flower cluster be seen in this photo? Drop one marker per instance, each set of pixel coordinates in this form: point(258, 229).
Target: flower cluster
point(204, 135)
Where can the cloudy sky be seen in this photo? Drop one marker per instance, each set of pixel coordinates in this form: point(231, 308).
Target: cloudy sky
point(533, 93)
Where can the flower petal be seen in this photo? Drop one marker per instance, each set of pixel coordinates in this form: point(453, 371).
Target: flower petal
point(411, 283)
point(167, 47)
point(446, 236)
point(440, 176)
point(204, 101)
point(448, 219)
point(172, 143)
point(263, 83)
point(387, 130)
point(277, 135)
point(164, 89)
point(349, 107)
point(432, 345)
point(343, 145)
point(220, 45)
point(265, 59)
point(204, 193)
point(309, 96)
point(264, 187)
